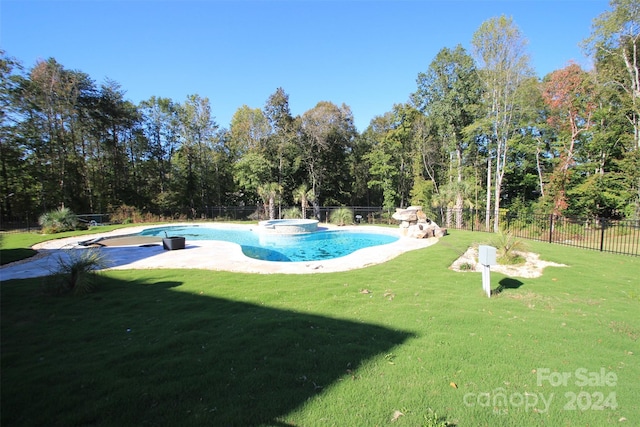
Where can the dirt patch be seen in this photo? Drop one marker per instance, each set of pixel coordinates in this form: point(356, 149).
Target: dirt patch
point(532, 267)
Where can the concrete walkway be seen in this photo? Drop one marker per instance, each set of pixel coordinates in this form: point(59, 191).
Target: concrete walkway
point(204, 254)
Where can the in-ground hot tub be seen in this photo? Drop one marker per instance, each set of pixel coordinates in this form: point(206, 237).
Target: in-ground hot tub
point(288, 226)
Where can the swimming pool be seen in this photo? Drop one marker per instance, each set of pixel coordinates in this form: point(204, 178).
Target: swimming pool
point(315, 246)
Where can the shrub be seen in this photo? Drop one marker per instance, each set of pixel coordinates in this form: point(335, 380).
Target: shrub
point(57, 221)
point(387, 217)
point(467, 266)
point(292, 213)
point(341, 216)
point(508, 247)
point(125, 214)
point(76, 271)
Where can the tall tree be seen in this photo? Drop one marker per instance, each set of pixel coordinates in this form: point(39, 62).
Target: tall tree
point(616, 34)
point(327, 136)
point(52, 99)
point(11, 151)
point(359, 167)
point(615, 43)
point(249, 131)
point(115, 123)
point(248, 143)
point(282, 145)
point(528, 160)
point(428, 162)
point(384, 162)
point(500, 49)
point(198, 138)
point(569, 93)
point(160, 124)
point(450, 93)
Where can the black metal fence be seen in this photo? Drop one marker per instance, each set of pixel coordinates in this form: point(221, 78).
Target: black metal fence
point(18, 225)
point(362, 214)
point(602, 234)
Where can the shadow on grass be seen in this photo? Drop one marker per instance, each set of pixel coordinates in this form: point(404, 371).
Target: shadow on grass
point(8, 256)
point(506, 283)
point(139, 353)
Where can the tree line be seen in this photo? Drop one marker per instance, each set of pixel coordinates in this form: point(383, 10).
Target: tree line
point(480, 130)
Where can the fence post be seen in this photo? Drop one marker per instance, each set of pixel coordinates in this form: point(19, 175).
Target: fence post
point(604, 225)
point(473, 219)
point(551, 228)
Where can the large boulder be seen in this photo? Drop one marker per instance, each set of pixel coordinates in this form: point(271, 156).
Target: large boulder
point(414, 223)
point(409, 214)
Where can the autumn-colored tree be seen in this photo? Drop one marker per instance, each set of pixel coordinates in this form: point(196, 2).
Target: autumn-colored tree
point(569, 96)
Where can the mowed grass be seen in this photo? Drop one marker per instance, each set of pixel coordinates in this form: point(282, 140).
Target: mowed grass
point(17, 246)
point(388, 344)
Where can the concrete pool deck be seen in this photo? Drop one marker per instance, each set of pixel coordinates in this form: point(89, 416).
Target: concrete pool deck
point(204, 254)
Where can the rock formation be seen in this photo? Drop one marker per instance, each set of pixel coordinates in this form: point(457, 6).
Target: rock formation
point(414, 223)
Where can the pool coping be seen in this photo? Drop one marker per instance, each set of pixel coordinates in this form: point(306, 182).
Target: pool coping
point(208, 254)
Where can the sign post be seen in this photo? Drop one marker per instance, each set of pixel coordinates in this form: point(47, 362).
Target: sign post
point(486, 257)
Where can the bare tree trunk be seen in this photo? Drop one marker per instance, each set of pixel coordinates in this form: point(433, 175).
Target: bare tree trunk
point(459, 196)
point(272, 208)
point(539, 168)
point(487, 218)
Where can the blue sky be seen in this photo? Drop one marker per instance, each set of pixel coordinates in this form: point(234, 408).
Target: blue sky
point(365, 54)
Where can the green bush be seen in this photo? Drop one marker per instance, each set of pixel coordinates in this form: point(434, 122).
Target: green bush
point(466, 266)
point(508, 247)
point(292, 213)
point(341, 216)
point(57, 221)
point(76, 272)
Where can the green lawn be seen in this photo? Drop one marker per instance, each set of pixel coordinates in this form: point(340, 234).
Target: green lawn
point(17, 246)
point(176, 347)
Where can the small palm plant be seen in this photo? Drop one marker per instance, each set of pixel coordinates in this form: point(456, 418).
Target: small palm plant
point(303, 195)
point(270, 194)
point(77, 271)
point(508, 247)
point(59, 220)
point(341, 216)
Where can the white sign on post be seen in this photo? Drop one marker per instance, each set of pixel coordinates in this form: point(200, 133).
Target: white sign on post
point(486, 257)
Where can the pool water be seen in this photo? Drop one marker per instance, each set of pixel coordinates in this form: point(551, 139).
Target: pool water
point(319, 245)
